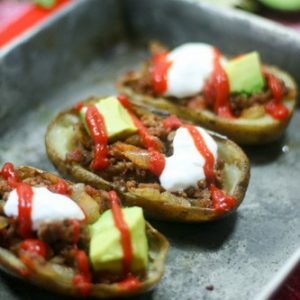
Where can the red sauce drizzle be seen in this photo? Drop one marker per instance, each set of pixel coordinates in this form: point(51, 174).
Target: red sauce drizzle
point(159, 71)
point(130, 281)
point(60, 187)
point(124, 231)
point(221, 202)
point(82, 280)
point(9, 174)
point(216, 89)
point(96, 125)
point(25, 195)
point(205, 152)
point(31, 246)
point(36, 247)
point(157, 160)
point(172, 123)
point(275, 107)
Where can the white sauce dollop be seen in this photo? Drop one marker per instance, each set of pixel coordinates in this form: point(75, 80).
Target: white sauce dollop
point(46, 206)
point(192, 64)
point(185, 167)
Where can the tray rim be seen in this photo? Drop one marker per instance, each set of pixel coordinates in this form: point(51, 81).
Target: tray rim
point(290, 263)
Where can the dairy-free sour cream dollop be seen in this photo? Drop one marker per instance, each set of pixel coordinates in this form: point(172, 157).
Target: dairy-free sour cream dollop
point(186, 166)
point(191, 65)
point(46, 206)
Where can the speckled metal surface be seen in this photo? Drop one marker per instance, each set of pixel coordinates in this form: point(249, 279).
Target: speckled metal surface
point(237, 256)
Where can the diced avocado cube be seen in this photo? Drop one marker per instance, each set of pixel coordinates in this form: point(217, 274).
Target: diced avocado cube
point(288, 5)
point(245, 75)
point(117, 120)
point(106, 252)
point(45, 3)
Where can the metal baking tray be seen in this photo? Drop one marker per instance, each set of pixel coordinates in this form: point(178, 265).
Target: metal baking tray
point(80, 52)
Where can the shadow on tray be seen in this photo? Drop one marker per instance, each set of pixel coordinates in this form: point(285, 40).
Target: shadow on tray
point(266, 154)
point(14, 288)
point(209, 235)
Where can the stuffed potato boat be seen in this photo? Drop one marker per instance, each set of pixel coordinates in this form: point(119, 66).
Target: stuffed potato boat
point(174, 171)
point(51, 236)
point(249, 102)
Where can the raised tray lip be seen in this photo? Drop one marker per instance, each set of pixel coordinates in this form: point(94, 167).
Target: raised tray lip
point(261, 22)
point(31, 32)
point(225, 11)
point(279, 277)
point(241, 14)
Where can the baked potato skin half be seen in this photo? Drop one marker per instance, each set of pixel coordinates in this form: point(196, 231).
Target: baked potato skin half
point(59, 278)
point(244, 131)
point(61, 139)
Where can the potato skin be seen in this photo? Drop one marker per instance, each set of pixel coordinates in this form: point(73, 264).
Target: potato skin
point(51, 279)
point(230, 152)
point(241, 130)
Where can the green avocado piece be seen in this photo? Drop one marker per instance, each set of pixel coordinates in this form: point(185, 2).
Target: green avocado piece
point(245, 74)
point(106, 252)
point(288, 5)
point(45, 3)
point(117, 120)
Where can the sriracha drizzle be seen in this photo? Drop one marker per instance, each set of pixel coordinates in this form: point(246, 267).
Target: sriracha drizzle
point(60, 187)
point(28, 248)
point(216, 89)
point(172, 122)
point(130, 281)
point(204, 151)
point(124, 231)
point(25, 195)
point(221, 202)
point(36, 247)
point(9, 174)
point(96, 126)
point(159, 71)
point(275, 107)
point(157, 159)
point(82, 280)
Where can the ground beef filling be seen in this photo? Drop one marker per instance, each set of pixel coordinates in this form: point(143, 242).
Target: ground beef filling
point(60, 234)
point(140, 82)
point(127, 175)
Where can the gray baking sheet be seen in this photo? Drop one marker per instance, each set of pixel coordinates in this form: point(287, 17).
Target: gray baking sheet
point(236, 256)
